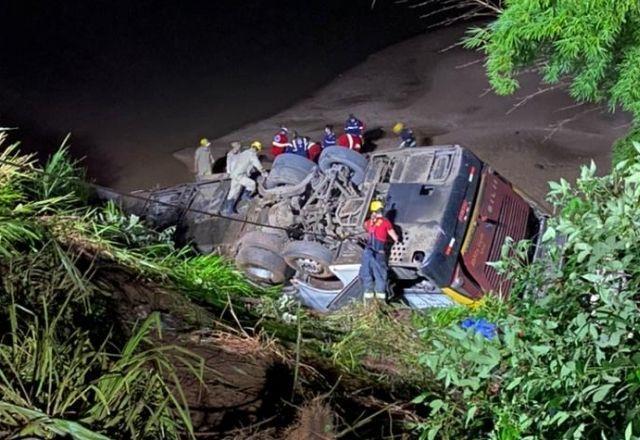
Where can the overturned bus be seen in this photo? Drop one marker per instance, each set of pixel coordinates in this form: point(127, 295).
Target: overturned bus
point(452, 211)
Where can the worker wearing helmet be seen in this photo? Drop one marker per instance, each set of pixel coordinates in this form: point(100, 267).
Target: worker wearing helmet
point(408, 140)
point(280, 142)
point(373, 270)
point(354, 126)
point(240, 165)
point(203, 160)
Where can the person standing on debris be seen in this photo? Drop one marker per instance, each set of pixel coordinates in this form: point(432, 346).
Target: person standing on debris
point(354, 126)
point(374, 270)
point(299, 145)
point(240, 165)
point(280, 142)
point(329, 138)
point(408, 140)
point(203, 160)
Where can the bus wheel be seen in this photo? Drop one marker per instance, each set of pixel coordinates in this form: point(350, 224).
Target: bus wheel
point(309, 257)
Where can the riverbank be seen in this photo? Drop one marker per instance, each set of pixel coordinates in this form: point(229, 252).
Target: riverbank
point(441, 91)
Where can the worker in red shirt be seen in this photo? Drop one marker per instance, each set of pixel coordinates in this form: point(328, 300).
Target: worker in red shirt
point(280, 142)
point(373, 270)
point(350, 141)
point(315, 148)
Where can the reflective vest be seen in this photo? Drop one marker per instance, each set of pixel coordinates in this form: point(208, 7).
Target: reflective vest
point(354, 126)
point(299, 146)
point(408, 139)
point(329, 140)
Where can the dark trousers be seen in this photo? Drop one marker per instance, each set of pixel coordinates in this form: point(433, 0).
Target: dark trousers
point(373, 271)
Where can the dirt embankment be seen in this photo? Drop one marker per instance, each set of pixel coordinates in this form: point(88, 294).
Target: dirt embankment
point(445, 97)
point(252, 386)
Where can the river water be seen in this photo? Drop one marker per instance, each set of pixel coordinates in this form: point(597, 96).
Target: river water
point(134, 81)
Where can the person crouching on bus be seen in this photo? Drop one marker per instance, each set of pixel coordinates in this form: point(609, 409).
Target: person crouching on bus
point(240, 165)
point(374, 270)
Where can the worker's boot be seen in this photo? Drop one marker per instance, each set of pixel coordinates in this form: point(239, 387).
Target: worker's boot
point(368, 297)
point(381, 296)
point(228, 208)
point(246, 195)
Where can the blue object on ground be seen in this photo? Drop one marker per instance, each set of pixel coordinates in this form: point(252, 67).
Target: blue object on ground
point(482, 326)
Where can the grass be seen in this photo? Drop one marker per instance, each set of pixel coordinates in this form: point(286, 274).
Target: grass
point(62, 370)
point(54, 380)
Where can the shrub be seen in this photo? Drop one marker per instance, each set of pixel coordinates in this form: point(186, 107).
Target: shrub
point(567, 362)
point(624, 148)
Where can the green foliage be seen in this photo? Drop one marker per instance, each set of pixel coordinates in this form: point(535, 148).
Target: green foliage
point(594, 45)
point(129, 231)
point(626, 149)
point(211, 279)
point(62, 177)
point(56, 381)
point(61, 370)
point(567, 363)
point(214, 280)
point(17, 209)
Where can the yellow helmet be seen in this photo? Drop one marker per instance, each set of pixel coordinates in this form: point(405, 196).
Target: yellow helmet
point(398, 127)
point(376, 205)
point(256, 145)
point(205, 142)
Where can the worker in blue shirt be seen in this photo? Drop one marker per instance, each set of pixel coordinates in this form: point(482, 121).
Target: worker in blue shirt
point(354, 126)
point(407, 138)
point(329, 138)
point(299, 145)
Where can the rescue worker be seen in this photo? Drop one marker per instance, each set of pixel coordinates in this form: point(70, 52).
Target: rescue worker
point(329, 137)
point(240, 165)
point(203, 160)
point(354, 125)
point(315, 149)
point(280, 141)
point(350, 141)
point(299, 145)
point(373, 270)
point(408, 140)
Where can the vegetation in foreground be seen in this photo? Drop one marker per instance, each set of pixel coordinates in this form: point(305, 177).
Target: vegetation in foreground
point(565, 364)
point(66, 369)
point(74, 362)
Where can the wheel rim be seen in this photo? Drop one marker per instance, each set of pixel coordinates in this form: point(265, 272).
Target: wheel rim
point(259, 272)
point(310, 266)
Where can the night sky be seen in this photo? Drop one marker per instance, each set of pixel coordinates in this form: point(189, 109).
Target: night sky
point(168, 68)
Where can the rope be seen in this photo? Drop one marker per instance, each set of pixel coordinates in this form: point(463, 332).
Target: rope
point(289, 230)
